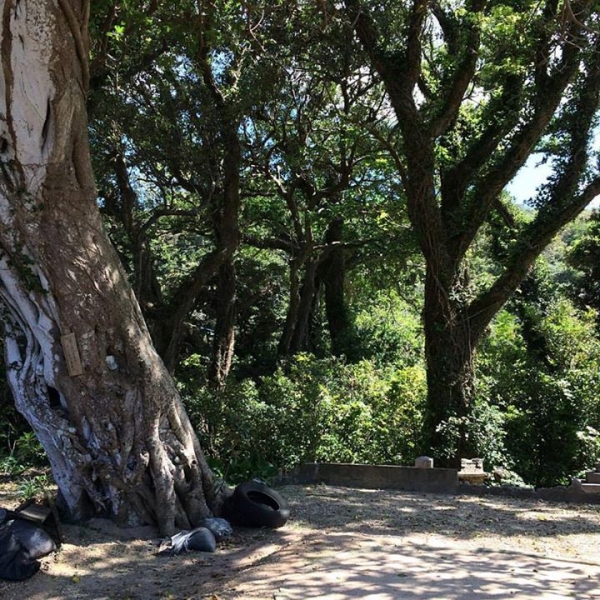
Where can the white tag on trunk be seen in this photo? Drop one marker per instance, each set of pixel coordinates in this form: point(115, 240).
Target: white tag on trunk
point(72, 358)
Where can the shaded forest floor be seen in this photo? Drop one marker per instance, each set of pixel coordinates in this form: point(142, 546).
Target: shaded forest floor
point(342, 543)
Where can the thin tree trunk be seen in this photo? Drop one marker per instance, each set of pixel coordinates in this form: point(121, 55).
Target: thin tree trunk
point(300, 336)
point(80, 362)
point(283, 348)
point(228, 240)
point(170, 330)
point(224, 339)
point(336, 309)
point(332, 274)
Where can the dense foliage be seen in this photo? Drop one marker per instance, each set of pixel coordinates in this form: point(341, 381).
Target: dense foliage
point(310, 254)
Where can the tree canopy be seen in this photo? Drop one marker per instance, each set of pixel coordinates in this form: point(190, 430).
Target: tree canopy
point(309, 203)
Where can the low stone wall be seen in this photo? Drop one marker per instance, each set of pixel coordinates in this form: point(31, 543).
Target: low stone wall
point(410, 479)
point(414, 479)
point(556, 494)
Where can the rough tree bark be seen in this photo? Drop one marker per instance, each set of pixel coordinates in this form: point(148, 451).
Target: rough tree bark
point(450, 199)
point(80, 362)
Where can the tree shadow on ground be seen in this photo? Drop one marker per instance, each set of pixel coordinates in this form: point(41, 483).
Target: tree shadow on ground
point(340, 543)
point(104, 563)
point(345, 566)
point(386, 511)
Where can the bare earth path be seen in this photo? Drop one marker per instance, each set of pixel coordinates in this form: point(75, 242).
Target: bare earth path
point(345, 543)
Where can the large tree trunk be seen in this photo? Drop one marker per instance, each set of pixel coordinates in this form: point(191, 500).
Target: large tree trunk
point(80, 362)
point(449, 201)
point(449, 353)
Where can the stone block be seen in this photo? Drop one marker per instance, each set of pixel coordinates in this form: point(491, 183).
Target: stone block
point(412, 479)
point(592, 477)
point(471, 465)
point(591, 488)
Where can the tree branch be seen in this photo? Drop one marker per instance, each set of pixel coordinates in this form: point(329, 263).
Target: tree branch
point(562, 205)
point(484, 307)
point(81, 47)
point(454, 91)
point(412, 69)
point(491, 182)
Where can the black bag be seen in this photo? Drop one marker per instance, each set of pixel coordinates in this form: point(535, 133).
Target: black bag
point(16, 563)
point(21, 542)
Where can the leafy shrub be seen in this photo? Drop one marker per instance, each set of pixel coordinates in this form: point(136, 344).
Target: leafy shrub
point(389, 332)
point(24, 453)
point(34, 487)
point(311, 410)
point(547, 394)
point(19, 448)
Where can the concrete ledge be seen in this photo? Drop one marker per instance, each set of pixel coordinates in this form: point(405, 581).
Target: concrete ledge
point(410, 479)
point(413, 479)
point(567, 495)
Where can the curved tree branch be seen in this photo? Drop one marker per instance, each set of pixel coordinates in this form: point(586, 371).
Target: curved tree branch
point(78, 30)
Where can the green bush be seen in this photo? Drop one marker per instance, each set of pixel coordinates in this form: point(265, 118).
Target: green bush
point(24, 453)
point(310, 410)
point(34, 487)
point(19, 448)
point(389, 331)
point(547, 394)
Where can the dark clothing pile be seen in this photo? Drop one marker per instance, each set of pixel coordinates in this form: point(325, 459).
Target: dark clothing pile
point(21, 544)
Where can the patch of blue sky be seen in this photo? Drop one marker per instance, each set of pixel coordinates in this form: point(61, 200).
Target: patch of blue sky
point(533, 174)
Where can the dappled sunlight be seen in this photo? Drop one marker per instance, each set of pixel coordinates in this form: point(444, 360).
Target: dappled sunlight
point(385, 511)
point(343, 543)
point(476, 524)
point(101, 563)
point(340, 566)
point(103, 557)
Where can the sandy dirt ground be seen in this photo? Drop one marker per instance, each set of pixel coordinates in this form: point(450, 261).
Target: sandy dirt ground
point(339, 544)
